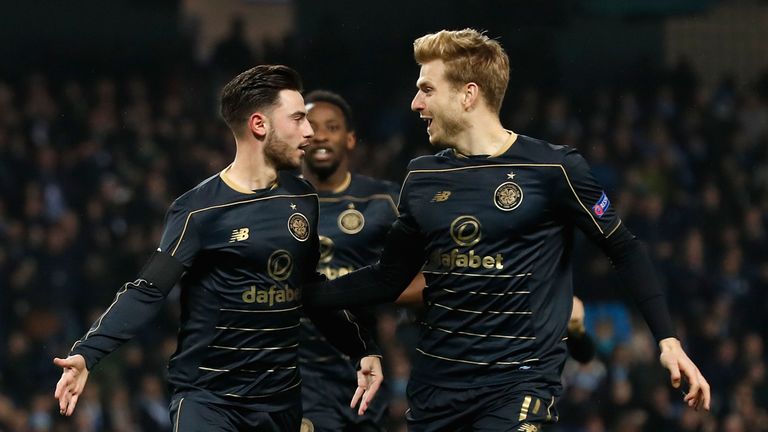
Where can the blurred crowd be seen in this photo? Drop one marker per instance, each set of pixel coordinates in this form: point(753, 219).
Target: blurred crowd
point(89, 166)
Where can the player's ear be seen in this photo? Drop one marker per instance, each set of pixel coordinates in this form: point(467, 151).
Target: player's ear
point(470, 95)
point(351, 141)
point(258, 123)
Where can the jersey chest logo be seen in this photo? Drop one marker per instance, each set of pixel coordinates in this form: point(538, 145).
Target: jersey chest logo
point(508, 196)
point(280, 265)
point(239, 235)
point(298, 225)
point(351, 221)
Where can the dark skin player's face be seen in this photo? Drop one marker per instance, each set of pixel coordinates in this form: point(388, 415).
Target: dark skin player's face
point(332, 139)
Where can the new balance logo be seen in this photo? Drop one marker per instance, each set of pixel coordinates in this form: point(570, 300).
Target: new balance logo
point(527, 427)
point(239, 235)
point(441, 196)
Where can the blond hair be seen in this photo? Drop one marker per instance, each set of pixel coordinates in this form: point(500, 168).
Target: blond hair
point(469, 56)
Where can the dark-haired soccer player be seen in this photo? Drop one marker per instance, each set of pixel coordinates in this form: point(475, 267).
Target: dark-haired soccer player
point(355, 214)
point(493, 217)
point(241, 244)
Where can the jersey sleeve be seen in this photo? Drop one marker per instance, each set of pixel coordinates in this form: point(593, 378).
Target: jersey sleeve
point(583, 201)
point(138, 302)
point(180, 237)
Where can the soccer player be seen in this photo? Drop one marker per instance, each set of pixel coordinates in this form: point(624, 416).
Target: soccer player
point(240, 244)
point(355, 214)
point(491, 219)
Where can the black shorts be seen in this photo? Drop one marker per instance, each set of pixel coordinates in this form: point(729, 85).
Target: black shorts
point(511, 407)
point(326, 405)
point(191, 413)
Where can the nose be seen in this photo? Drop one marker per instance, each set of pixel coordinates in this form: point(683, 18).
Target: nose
point(320, 135)
point(417, 104)
point(307, 130)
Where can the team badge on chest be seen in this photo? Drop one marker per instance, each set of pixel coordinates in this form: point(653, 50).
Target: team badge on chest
point(351, 221)
point(298, 225)
point(508, 195)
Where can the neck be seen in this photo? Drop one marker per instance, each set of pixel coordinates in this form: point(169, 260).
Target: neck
point(337, 181)
point(250, 170)
point(484, 136)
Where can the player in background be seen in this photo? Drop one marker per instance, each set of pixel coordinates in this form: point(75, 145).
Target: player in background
point(355, 214)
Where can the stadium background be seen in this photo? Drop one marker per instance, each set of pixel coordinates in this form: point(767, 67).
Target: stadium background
point(108, 111)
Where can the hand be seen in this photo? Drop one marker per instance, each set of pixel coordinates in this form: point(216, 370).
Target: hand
point(71, 383)
point(677, 362)
point(369, 378)
point(576, 323)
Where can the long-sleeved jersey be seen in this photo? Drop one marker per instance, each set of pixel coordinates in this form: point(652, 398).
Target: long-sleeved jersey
point(494, 235)
point(353, 224)
point(244, 257)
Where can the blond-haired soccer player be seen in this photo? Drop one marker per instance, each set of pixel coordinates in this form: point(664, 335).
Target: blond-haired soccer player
point(491, 219)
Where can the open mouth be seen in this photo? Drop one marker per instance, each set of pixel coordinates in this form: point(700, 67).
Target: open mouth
point(321, 153)
point(428, 120)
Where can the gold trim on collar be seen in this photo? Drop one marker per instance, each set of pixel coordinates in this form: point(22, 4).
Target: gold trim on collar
point(507, 144)
point(345, 184)
point(237, 188)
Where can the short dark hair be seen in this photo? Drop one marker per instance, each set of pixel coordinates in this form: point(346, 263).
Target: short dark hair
point(255, 89)
point(333, 99)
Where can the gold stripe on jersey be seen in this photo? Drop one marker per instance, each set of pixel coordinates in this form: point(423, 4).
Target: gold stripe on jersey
point(549, 407)
point(477, 334)
point(114, 302)
point(483, 312)
point(478, 275)
point(178, 415)
point(282, 368)
point(263, 396)
point(565, 173)
point(189, 215)
point(257, 329)
point(501, 363)
point(614, 229)
point(252, 348)
point(367, 198)
point(207, 369)
point(357, 328)
point(484, 293)
point(258, 311)
point(524, 408)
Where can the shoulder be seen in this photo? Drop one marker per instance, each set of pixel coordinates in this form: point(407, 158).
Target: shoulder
point(369, 185)
point(541, 151)
point(294, 183)
point(200, 196)
point(439, 160)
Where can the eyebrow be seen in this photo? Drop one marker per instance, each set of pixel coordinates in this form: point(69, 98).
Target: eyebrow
point(421, 82)
point(299, 114)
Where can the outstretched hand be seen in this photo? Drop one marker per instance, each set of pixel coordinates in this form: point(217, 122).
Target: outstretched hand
point(680, 367)
point(369, 379)
point(72, 382)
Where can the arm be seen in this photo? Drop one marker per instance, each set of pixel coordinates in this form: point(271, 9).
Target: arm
point(580, 344)
point(401, 259)
point(135, 304)
point(586, 205)
point(414, 292)
point(352, 334)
